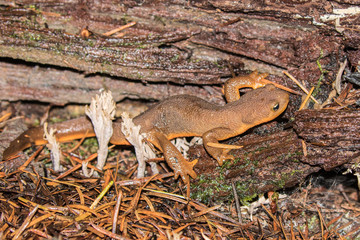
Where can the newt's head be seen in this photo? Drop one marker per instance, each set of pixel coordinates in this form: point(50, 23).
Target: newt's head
point(265, 104)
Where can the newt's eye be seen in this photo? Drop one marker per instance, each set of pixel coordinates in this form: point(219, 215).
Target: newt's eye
point(276, 107)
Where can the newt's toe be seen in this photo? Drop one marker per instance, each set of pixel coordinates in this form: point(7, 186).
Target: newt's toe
point(185, 169)
point(224, 156)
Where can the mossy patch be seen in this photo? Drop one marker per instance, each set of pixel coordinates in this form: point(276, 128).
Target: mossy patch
point(215, 187)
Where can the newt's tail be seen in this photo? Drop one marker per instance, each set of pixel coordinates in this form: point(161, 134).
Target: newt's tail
point(65, 131)
point(25, 140)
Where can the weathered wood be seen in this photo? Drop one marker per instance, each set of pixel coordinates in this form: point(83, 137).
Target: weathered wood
point(143, 54)
point(265, 163)
point(180, 41)
point(332, 136)
point(277, 160)
point(61, 86)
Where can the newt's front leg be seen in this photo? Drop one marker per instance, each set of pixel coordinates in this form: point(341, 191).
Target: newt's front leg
point(213, 136)
point(173, 157)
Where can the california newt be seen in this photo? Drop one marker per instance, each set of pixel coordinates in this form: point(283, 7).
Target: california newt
point(182, 116)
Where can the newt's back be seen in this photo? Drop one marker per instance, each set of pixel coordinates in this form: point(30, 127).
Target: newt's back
point(184, 115)
point(179, 115)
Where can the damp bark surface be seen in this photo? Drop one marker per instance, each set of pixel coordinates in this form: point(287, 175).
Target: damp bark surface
point(269, 161)
point(180, 42)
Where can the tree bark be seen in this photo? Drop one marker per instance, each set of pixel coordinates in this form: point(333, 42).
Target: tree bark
point(179, 41)
point(332, 136)
point(324, 139)
point(62, 86)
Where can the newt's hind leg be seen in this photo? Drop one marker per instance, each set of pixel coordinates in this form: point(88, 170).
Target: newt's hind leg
point(173, 157)
point(214, 148)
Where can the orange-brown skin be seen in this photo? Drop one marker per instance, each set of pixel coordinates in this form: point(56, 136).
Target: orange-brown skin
point(181, 116)
point(232, 86)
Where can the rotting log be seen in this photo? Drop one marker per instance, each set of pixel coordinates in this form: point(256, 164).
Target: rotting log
point(274, 161)
point(180, 41)
point(332, 137)
point(265, 163)
point(142, 54)
point(62, 86)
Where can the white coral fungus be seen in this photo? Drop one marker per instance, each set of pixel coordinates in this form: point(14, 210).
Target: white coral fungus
point(102, 112)
point(142, 150)
point(54, 147)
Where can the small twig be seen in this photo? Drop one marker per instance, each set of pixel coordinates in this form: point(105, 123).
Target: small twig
point(81, 196)
point(40, 233)
point(140, 181)
point(5, 116)
point(272, 216)
point(101, 195)
point(282, 228)
point(95, 203)
point(109, 33)
point(205, 211)
point(300, 232)
point(300, 85)
point(59, 182)
point(40, 219)
point(342, 191)
point(116, 211)
point(79, 143)
point(73, 169)
point(107, 233)
point(237, 202)
point(321, 222)
point(3, 124)
point(304, 147)
point(306, 99)
point(134, 202)
point(231, 21)
point(25, 223)
point(265, 81)
point(337, 84)
point(22, 167)
point(178, 230)
point(90, 158)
